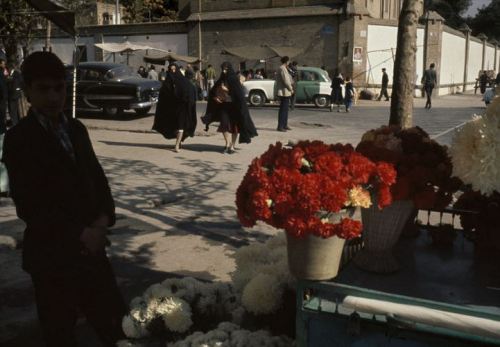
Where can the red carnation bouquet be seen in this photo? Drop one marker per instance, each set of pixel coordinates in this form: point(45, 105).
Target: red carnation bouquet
point(300, 189)
point(423, 166)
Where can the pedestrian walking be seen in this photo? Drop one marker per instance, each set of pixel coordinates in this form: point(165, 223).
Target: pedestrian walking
point(210, 76)
point(385, 84)
point(294, 72)
point(336, 96)
point(152, 74)
point(142, 72)
point(162, 75)
point(14, 82)
point(61, 193)
point(350, 94)
point(227, 105)
point(199, 83)
point(284, 84)
point(483, 82)
point(3, 96)
point(175, 116)
point(429, 81)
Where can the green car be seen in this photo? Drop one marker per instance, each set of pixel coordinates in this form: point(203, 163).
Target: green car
point(313, 86)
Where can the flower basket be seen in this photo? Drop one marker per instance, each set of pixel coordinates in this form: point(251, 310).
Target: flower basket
point(316, 258)
point(381, 231)
point(311, 190)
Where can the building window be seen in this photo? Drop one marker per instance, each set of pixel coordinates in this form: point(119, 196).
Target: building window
point(107, 18)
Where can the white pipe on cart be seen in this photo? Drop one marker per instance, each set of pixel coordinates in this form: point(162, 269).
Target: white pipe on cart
point(417, 314)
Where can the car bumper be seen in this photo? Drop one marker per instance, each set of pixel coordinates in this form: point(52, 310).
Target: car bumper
point(143, 104)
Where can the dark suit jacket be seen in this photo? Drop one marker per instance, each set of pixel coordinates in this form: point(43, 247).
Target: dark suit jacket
point(14, 85)
point(56, 196)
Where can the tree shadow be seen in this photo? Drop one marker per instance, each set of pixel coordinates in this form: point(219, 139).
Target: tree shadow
point(195, 147)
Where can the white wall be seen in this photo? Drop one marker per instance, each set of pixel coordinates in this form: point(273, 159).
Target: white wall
point(489, 59)
point(175, 42)
point(452, 62)
point(452, 59)
point(475, 59)
point(381, 46)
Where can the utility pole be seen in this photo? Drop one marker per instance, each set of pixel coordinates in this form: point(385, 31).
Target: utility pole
point(117, 12)
point(405, 64)
point(47, 47)
point(199, 34)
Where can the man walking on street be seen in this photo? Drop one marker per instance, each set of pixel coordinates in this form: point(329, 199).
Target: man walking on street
point(429, 80)
point(152, 74)
point(385, 84)
point(61, 193)
point(284, 83)
point(210, 77)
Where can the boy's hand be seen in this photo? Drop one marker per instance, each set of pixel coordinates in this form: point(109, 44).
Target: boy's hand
point(94, 239)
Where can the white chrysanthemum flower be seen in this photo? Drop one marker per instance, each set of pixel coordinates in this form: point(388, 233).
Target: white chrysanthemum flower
point(186, 288)
point(156, 291)
point(139, 314)
point(263, 294)
point(131, 328)
point(177, 314)
point(475, 151)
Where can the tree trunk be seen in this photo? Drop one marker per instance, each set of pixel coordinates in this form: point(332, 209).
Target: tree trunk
point(405, 65)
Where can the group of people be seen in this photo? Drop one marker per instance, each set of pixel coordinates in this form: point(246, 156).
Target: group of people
point(10, 93)
point(337, 97)
point(175, 116)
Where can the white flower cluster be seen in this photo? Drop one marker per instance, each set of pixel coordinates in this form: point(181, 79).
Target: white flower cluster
point(475, 151)
point(262, 275)
point(174, 301)
point(231, 335)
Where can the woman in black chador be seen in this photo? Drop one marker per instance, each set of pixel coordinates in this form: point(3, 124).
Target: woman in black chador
point(227, 105)
point(175, 116)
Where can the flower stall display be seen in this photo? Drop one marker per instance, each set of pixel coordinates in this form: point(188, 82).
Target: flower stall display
point(475, 153)
point(424, 167)
point(171, 309)
point(255, 296)
point(423, 181)
point(311, 190)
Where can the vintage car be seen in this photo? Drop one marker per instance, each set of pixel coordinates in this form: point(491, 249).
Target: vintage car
point(112, 88)
point(313, 86)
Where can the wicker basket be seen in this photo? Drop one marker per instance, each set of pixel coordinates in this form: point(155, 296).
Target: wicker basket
point(381, 231)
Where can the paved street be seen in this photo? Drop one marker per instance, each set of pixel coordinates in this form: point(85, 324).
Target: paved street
point(176, 210)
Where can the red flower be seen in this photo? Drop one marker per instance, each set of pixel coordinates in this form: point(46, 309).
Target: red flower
point(291, 188)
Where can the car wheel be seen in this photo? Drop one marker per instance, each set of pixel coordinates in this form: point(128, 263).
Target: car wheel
point(322, 101)
point(142, 111)
point(256, 98)
point(112, 111)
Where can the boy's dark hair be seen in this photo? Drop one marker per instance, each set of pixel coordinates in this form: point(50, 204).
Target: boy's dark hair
point(294, 63)
point(433, 65)
point(42, 65)
point(285, 59)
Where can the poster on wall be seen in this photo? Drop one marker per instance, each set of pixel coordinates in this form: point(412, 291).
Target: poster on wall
point(357, 56)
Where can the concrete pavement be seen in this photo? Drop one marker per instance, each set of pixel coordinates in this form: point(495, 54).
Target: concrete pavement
point(176, 210)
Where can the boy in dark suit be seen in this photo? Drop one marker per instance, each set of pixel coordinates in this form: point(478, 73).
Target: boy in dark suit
point(62, 195)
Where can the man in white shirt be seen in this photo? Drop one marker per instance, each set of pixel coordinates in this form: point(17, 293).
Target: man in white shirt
point(284, 83)
point(152, 74)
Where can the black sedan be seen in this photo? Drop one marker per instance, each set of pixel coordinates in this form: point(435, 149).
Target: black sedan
point(112, 88)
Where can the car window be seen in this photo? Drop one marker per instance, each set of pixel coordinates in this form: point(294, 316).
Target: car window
point(120, 73)
point(309, 76)
point(90, 75)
